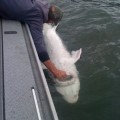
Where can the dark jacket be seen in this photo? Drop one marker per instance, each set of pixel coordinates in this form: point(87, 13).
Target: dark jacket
point(32, 12)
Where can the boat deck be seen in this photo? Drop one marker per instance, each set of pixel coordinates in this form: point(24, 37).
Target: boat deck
point(23, 88)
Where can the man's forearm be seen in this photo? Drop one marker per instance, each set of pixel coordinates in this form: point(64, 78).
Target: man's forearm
point(55, 71)
point(51, 67)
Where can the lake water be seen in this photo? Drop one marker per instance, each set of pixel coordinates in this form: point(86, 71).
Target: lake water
point(94, 26)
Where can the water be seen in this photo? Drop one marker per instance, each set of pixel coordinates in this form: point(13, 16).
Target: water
point(94, 26)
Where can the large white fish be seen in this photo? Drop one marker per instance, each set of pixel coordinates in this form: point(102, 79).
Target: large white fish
point(64, 61)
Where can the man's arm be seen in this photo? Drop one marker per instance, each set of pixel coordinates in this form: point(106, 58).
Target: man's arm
point(56, 72)
point(37, 34)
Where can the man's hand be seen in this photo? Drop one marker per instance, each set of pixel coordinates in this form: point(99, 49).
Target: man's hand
point(59, 74)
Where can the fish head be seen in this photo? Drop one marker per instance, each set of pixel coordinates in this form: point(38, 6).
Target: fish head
point(71, 99)
point(69, 92)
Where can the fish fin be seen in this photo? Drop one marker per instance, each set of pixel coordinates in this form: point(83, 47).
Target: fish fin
point(55, 27)
point(76, 55)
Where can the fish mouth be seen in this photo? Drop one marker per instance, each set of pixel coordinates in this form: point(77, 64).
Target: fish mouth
point(66, 82)
point(71, 99)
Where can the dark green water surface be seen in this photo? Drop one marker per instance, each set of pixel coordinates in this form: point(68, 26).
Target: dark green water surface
point(94, 26)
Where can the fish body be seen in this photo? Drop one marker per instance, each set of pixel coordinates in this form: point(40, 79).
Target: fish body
point(63, 60)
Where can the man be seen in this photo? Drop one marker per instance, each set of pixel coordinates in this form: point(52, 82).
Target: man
point(34, 13)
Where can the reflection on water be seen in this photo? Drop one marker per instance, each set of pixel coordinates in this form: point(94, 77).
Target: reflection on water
point(93, 25)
